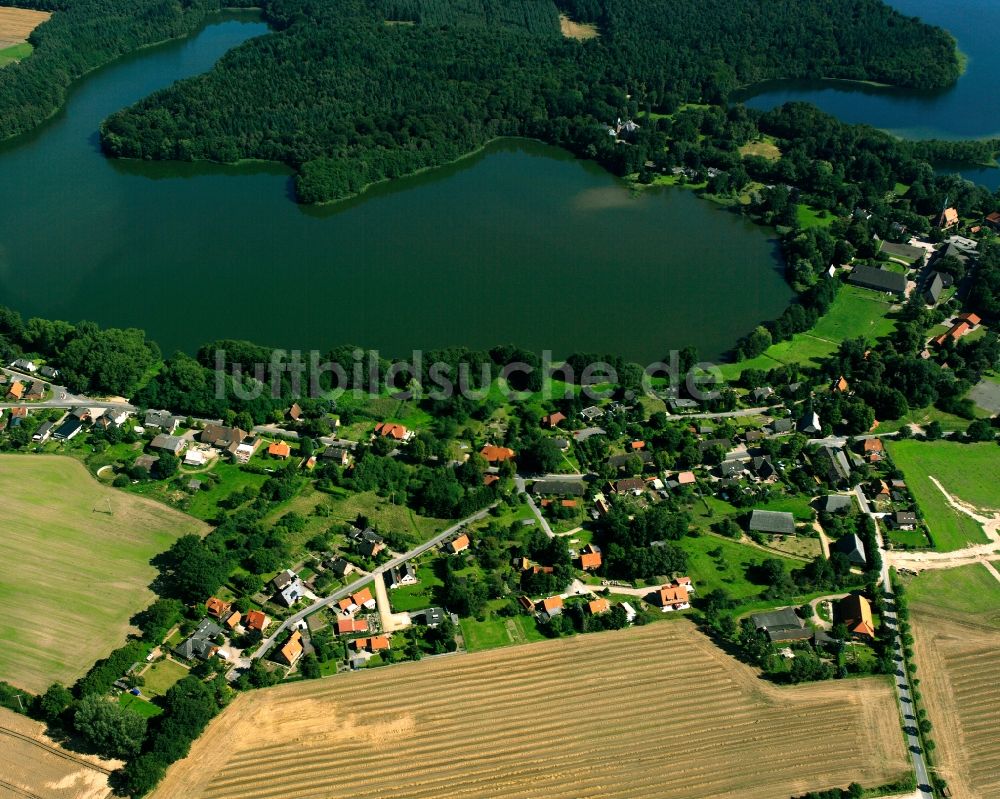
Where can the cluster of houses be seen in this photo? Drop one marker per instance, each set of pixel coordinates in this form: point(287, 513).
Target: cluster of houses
point(786, 626)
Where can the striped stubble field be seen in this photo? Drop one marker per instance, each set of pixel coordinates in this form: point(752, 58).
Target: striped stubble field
point(656, 711)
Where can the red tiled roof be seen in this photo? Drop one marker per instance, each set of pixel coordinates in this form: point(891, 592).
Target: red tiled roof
point(390, 430)
point(590, 560)
point(495, 454)
point(279, 449)
point(255, 620)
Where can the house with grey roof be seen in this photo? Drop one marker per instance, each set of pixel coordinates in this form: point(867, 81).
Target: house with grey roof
point(782, 426)
point(429, 617)
point(162, 420)
point(172, 444)
point(201, 643)
point(559, 488)
point(904, 520)
point(933, 288)
point(809, 424)
point(772, 522)
point(852, 548)
point(763, 467)
point(835, 464)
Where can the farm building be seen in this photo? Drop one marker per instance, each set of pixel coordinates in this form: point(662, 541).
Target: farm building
point(773, 522)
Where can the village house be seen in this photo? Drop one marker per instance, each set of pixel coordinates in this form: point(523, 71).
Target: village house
point(874, 449)
point(378, 643)
point(338, 455)
point(948, 218)
point(279, 449)
point(290, 653)
point(904, 520)
point(591, 413)
point(855, 611)
point(221, 437)
point(368, 543)
point(834, 463)
point(256, 620)
point(495, 455)
point(590, 558)
point(351, 626)
point(364, 599)
point(295, 412)
point(340, 567)
point(459, 544)
point(217, 607)
point(16, 391)
point(22, 365)
point(837, 503)
point(143, 463)
point(630, 485)
point(172, 444)
point(429, 617)
point(549, 607)
point(162, 420)
point(933, 288)
point(42, 433)
point(68, 429)
point(993, 221)
point(553, 420)
point(398, 576)
point(598, 606)
point(810, 425)
point(396, 432)
point(35, 392)
point(965, 323)
point(288, 588)
point(670, 598)
point(201, 644)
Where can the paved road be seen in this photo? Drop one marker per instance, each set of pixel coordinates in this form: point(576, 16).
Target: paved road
point(519, 481)
point(904, 691)
point(361, 582)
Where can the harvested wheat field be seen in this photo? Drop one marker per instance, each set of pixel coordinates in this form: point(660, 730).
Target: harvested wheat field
point(651, 712)
point(32, 765)
point(17, 23)
point(959, 675)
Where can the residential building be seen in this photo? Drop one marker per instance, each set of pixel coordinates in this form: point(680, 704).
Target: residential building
point(833, 461)
point(459, 544)
point(172, 444)
point(398, 576)
point(222, 437)
point(364, 599)
point(201, 644)
point(217, 607)
point(553, 420)
point(351, 626)
point(494, 454)
point(810, 425)
point(162, 420)
point(948, 218)
point(670, 598)
point(429, 617)
point(279, 449)
point(68, 429)
point(933, 288)
point(290, 653)
point(42, 433)
point(855, 611)
point(837, 503)
point(597, 606)
point(396, 432)
point(256, 620)
point(905, 520)
point(590, 558)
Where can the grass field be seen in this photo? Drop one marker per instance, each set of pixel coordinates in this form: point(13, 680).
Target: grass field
point(969, 591)
point(808, 217)
point(72, 575)
point(967, 473)
point(16, 52)
point(765, 148)
point(855, 313)
point(32, 765)
point(385, 515)
point(161, 676)
point(956, 623)
point(498, 631)
point(654, 711)
point(716, 562)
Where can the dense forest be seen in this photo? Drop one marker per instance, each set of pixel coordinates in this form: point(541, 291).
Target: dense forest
point(81, 36)
point(349, 99)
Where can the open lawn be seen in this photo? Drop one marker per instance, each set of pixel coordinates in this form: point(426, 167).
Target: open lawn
point(384, 514)
point(967, 472)
point(764, 148)
point(497, 631)
point(566, 719)
point(33, 766)
point(419, 596)
point(855, 313)
point(716, 562)
point(16, 52)
point(967, 591)
point(161, 676)
point(72, 574)
point(956, 624)
point(808, 216)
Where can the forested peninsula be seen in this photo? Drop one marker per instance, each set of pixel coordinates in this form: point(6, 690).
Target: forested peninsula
point(353, 92)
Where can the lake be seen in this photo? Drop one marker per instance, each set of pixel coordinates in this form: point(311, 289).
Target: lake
point(519, 243)
point(968, 110)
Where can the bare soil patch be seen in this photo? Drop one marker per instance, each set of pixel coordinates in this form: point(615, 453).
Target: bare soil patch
point(577, 30)
point(652, 712)
point(16, 24)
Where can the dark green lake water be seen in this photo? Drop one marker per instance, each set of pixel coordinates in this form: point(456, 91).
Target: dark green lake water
point(968, 110)
point(520, 243)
